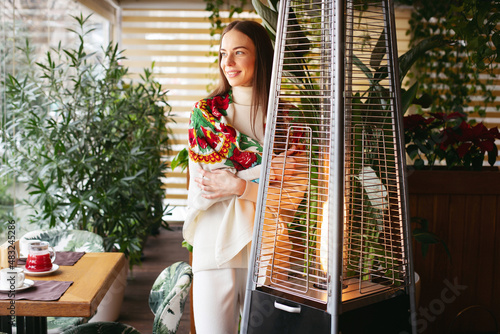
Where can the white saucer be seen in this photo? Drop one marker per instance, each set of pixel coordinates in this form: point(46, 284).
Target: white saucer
point(41, 273)
point(27, 284)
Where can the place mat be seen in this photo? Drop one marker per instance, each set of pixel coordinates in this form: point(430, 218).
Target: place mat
point(68, 258)
point(62, 258)
point(41, 290)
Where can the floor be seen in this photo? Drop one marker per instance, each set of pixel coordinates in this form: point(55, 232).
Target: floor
point(160, 252)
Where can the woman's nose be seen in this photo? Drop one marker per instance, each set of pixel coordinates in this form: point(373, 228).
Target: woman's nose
point(230, 59)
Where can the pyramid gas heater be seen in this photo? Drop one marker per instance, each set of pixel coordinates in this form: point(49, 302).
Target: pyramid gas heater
point(331, 250)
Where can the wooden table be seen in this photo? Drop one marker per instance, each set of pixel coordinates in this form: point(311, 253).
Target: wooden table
point(92, 276)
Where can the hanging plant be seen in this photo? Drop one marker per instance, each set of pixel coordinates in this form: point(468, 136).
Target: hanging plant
point(216, 6)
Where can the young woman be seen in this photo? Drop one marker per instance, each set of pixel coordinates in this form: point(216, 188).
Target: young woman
point(226, 135)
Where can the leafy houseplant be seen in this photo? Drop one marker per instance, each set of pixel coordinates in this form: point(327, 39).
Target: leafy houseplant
point(461, 66)
point(88, 144)
point(6, 204)
point(450, 137)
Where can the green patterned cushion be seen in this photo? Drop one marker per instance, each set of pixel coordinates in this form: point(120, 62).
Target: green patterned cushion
point(102, 328)
point(63, 323)
point(168, 297)
point(67, 240)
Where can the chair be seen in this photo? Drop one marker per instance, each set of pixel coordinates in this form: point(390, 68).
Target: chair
point(69, 241)
point(168, 297)
point(65, 240)
point(167, 300)
point(102, 328)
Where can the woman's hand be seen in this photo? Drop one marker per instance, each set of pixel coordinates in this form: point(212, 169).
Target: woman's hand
point(219, 183)
point(281, 170)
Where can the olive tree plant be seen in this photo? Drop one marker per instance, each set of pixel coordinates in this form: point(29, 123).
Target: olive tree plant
point(88, 143)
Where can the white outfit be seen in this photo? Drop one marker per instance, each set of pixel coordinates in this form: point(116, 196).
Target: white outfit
point(218, 300)
point(220, 231)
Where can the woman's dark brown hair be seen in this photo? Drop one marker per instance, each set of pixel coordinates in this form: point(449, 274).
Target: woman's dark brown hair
point(263, 65)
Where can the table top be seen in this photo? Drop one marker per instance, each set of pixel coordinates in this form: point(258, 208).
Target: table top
point(92, 276)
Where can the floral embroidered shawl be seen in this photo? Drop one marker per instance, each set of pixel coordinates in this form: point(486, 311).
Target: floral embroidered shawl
point(212, 140)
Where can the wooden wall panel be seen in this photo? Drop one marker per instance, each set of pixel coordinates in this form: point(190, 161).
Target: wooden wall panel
point(469, 222)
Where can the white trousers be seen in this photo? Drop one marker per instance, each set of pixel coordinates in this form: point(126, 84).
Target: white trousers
point(218, 299)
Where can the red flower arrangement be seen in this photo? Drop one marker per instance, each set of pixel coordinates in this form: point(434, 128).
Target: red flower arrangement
point(434, 137)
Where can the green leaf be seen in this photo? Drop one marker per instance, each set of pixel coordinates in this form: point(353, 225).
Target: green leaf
point(412, 151)
point(419, 163)
point(359, 63)
point(493, 155)
point(379, 51)
point(407, 60)
point(181, 160)
point(187, 246)
point(407, 97)
point(268, 15)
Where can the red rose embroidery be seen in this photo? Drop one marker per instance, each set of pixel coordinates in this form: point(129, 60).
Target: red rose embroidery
point(192, 137)
point(211, 138)
point(229, 132)
point(218, 103)
point(202, 143)
point(243, 160)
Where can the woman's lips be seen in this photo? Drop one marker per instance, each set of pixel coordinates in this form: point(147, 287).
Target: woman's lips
point(232, 74)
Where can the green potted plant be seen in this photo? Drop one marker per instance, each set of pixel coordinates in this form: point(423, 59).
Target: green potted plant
point(434, 137)
point(87, 143)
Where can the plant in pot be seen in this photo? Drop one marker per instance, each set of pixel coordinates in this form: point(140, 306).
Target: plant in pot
point(87, 144)
point(434, 137)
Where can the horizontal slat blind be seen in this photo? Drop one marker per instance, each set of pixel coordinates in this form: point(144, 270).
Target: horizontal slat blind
point(402, 18)
point(46, 22)
point(178, 41)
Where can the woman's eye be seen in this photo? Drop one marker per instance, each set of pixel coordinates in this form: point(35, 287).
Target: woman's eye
point(223, 54)
point(239, 52)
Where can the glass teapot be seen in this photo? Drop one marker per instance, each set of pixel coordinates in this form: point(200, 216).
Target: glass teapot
point(40, 256)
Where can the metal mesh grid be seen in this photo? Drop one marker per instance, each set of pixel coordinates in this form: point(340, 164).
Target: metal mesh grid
point(292, 246)
point(294, 205)
point(374, 256)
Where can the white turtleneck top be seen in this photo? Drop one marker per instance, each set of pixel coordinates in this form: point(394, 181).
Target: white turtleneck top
point(221, 231)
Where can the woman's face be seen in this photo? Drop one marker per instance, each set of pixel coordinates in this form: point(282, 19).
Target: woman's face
point(237, 53)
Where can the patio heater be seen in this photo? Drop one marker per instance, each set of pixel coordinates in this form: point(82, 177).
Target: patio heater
point(332, 251)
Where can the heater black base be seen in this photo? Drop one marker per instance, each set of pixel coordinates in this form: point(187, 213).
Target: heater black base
point(390, 316)
point(265, 318)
